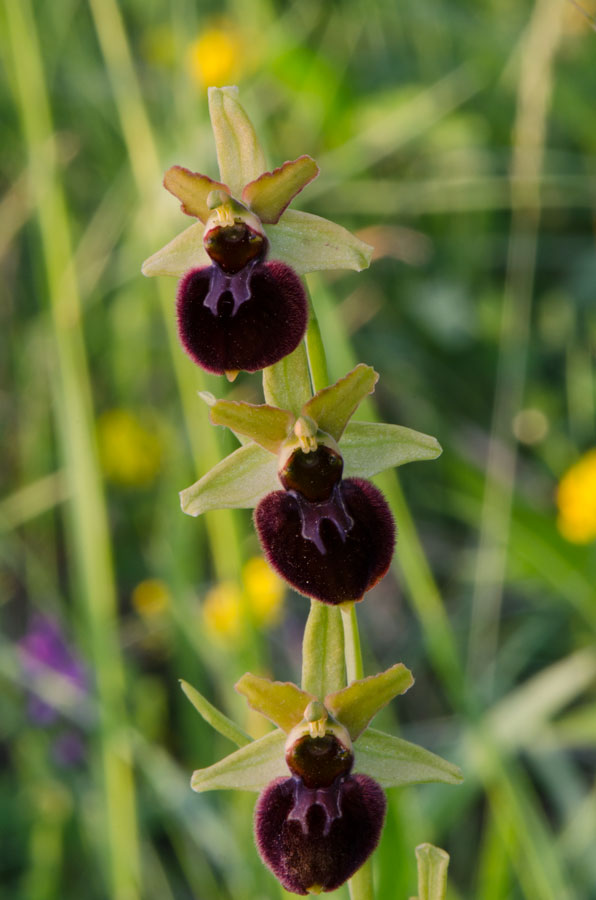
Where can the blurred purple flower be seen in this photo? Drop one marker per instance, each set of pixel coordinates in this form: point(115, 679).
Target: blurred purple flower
point(44, 652)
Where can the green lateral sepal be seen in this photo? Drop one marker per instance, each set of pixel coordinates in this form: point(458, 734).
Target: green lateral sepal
point(370, 447)
point(180, 255)
point(309, 243)
point(280, 701)
point(356, 705)
point(394, 762)
point(249, 769)
point(240, 481)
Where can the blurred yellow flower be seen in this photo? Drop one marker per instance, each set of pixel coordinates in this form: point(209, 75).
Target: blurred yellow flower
point(576, 500)
point(264, 591)
point(216, 56)
point(130, 453)
point(222, 611)
point(151, 598)
point(259, 598)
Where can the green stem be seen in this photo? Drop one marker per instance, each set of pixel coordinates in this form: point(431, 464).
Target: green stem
point(361, 884)
point(317, 361)
point(352, 648)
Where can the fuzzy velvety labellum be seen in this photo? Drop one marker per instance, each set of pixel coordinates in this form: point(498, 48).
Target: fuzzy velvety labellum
point(243, 321)
point(333, 560)
point(314, 474)
point(315, 839)
point(319, 760)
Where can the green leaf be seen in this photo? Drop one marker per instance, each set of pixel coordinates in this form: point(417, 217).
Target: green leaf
point(432, 872)
point(271, 193)
point(239, 153)
point(323, 667)
point(192, 190)
point(266, 425)
point(370, 447)
point(214, 717)
point(281, 701)
point(309, 243)
point(239, 481)
point(354, 706)
point(249, 769)
point(184, 252)
point(333, 407)
point(286, 385)
point(394, 762)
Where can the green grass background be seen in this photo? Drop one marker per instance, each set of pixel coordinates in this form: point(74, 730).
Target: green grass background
point(459, 137)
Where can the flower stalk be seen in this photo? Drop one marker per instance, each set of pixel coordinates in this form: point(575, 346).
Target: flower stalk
point(324, 527)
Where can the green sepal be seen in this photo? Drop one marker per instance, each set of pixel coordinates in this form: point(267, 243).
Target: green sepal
point(214, 717)
point(323, 665)
point(192, 189)
point(432, 865)
point(368, 448)
point(355, 706)
point(270, 194)
point(184, 252)
point(240, 481)
point(287, 384)
point(266, 425)
point(239, 154)
point(309, 243)
point(280, 701)
point(333, 407)
point(394, 762)
point(249, 769)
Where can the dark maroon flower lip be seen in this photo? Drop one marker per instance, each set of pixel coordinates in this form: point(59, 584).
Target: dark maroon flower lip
point(318, 837)
point(334, 550)
point(246, 320)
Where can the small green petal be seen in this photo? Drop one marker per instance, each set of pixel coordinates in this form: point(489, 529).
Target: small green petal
point(286, 385)
point(240, 481)
point(323, 666)
point(394, 762)
point(272, 192)
point(214, 717)
point(370, 447)
point(357, 704)
point(333, 407)
point(266, 425)
point(432, 872)
point(239, 154)
point(249, 769)
point(309, 243)
point(282, 702)
point(192, 189)
point(184, 252)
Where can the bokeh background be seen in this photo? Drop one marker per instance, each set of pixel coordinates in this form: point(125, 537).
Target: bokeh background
point(459, 139)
